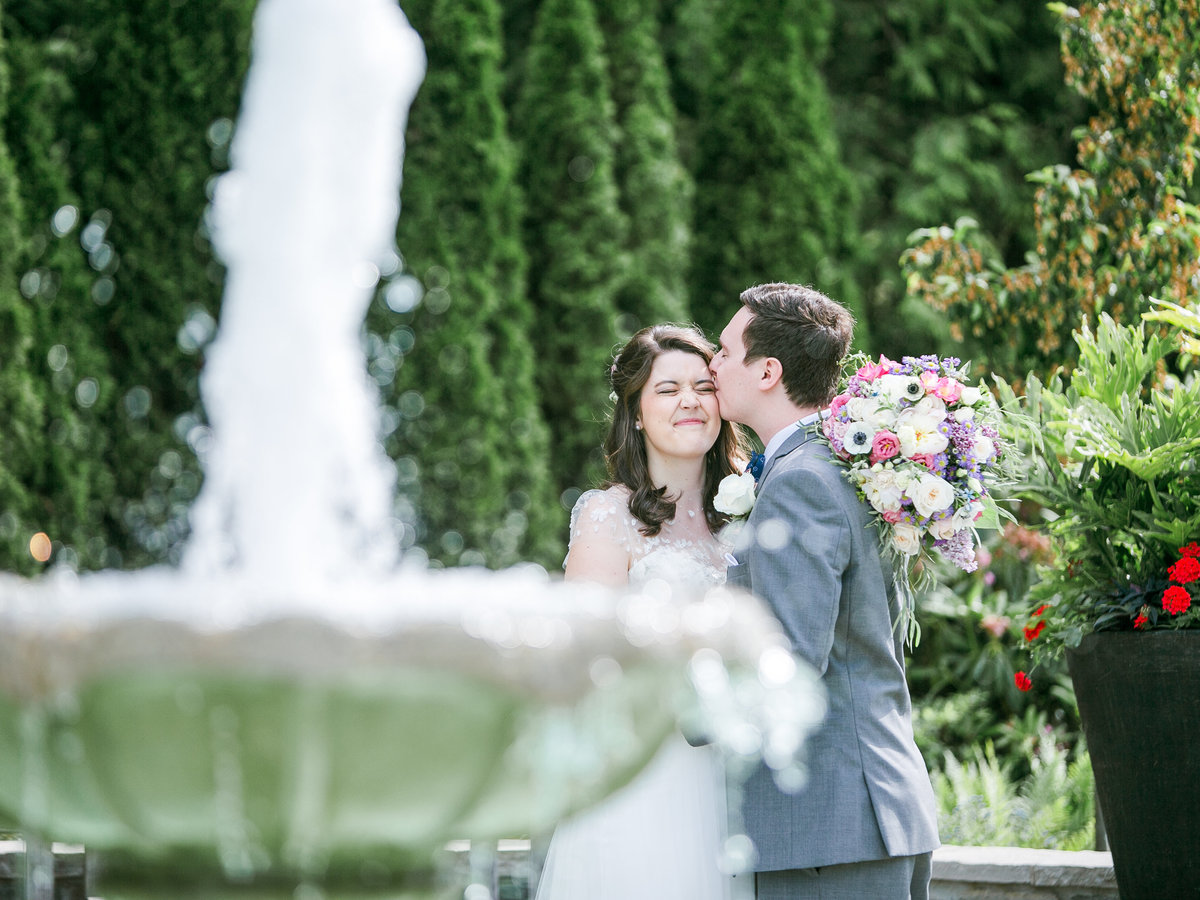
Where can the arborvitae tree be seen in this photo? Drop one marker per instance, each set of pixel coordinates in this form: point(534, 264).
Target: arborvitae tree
point(773, 201)
point(472, 446)
point(20, 409)
point(942, 108)
point(67, 473)
point(655, 188)
point(151, 79)
point(574, 229)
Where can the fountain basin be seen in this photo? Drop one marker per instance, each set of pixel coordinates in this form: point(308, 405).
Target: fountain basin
point(340, 735)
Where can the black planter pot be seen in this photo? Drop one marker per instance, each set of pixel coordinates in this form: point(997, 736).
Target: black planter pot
point(1139, 699)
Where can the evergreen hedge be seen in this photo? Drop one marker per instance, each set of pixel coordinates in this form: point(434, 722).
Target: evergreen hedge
point(574, 230)
point(456, 374)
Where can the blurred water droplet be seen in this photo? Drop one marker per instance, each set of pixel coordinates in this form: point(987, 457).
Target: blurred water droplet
point(776, 667)
point(103, 257)
point(739, 854)
point(40, 547)
point(437, 277)
point(402, 339)
point(196, 331)
point(31, 283)
point(773, 534)
point(411, 404)
point(103, 291)
point(87, 392)
point(453, 359)
point(568, 497)
point(452, 542)
point(625, 326)
point(403, 294)
point(407, 470)
point(92, 235)
point(63, 220)
point(581, 168)
point(437, 300)
point(137, 402)
point(365, 275)
point(57, 357)
point(220, 132)
point(605, 671)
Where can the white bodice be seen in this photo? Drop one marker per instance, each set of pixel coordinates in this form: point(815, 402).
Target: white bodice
point(682, 551)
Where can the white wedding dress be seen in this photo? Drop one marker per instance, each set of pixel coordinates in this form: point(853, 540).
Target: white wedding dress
point(660, 837)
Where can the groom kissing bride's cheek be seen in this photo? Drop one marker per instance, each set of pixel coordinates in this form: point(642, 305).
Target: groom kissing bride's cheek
point(863, 825)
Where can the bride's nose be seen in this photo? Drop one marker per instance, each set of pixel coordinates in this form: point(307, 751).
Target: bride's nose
point(688, 397)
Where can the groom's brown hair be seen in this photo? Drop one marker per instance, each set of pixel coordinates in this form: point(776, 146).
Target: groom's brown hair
point(806, 331)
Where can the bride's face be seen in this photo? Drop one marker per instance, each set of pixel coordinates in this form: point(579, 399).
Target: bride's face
point(679, 413)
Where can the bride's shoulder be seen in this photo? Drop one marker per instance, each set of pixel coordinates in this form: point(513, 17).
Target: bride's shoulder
point(599, 506)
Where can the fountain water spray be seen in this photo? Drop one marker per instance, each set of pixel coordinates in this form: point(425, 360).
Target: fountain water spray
point(298, 490)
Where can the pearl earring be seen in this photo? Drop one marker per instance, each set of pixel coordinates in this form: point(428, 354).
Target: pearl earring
point(637, 425)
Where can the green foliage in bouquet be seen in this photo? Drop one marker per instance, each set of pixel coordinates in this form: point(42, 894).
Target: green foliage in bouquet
point(1113, 459)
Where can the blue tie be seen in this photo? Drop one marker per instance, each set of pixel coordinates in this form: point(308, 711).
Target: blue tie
point(755, 466)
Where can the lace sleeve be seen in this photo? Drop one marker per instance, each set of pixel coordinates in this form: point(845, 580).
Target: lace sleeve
point(602, 515)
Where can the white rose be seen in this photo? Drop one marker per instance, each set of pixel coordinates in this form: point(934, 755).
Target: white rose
point(735, 494)
point(932, 494)
point(918, 433)
point(984, 448)
point(966, 414)
point(943, 529)
point(931, 405)
point(906, 538)
point(970, 396)
point(882, 491)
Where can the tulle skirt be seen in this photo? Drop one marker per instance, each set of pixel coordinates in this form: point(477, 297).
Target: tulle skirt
point(659, 838)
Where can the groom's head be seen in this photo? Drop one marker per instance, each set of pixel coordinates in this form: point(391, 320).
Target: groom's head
point(786, 339)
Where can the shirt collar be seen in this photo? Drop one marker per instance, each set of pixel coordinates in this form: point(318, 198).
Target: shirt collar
point(787, 431)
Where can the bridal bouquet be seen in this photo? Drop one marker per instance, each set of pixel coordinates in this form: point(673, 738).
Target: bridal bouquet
point(923, 447)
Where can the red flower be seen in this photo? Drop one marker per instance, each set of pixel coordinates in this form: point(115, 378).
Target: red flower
point(1176, 599)
point(1185, 571)
point(1023, 681)
point(1140, 621)
point(1041, 609)
point(1032, 631)
point(1192, 550)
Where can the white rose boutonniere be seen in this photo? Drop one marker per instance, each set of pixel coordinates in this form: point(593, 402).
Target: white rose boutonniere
point(735, 494)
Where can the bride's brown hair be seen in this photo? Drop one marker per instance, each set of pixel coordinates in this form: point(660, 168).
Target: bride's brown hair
point(625, 445)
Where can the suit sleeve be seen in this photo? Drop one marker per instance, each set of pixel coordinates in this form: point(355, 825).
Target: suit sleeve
point(803, 548)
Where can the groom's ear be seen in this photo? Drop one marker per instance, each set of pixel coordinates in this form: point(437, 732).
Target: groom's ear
point(771, 375)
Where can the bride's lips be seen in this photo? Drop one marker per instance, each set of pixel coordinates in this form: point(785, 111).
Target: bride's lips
point(689, 422)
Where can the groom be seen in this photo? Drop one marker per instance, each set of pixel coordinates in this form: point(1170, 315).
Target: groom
point(863, 825)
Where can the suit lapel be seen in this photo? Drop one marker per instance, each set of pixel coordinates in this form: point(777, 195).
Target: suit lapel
point(794, 442)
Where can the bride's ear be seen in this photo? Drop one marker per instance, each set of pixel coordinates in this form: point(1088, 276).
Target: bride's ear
point(772, 374)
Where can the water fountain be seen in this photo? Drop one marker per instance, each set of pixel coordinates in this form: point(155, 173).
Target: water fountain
point(295, 711)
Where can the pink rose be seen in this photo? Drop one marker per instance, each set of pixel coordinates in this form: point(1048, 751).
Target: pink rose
point(925, 459)
point(949, 389)
point(885, 446)
point(871, 371)
point(891, 516)
point(929, 381)
point(836, 404)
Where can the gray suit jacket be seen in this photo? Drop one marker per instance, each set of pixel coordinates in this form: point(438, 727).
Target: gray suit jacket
point(814, 558)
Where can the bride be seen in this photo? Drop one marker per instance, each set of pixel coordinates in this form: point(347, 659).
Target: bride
point(667, 449)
